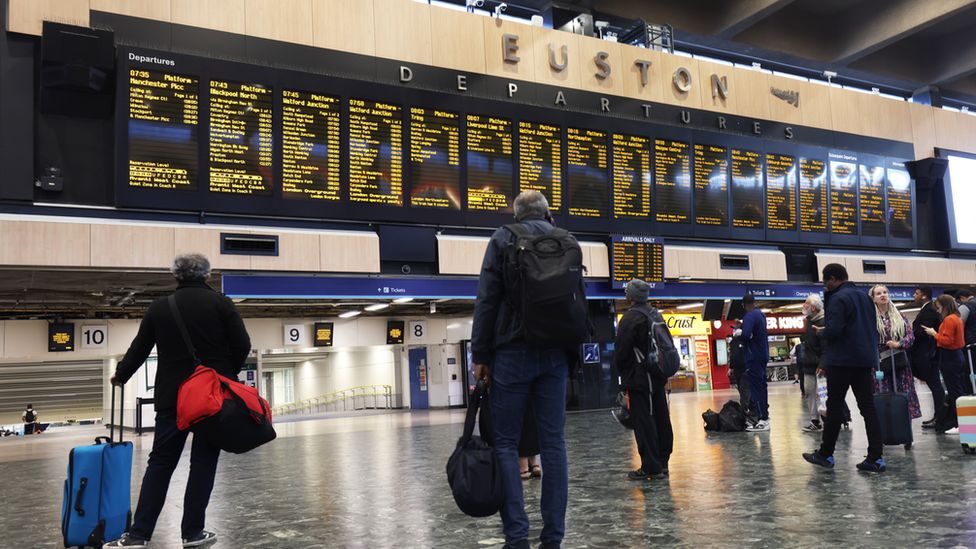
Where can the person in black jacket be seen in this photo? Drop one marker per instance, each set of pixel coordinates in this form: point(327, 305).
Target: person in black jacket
point(923, 351)
point(812, 360)
point(851, 334)
point(737, 369)
point(221, 341)
point(648, 400)
point(967, 312)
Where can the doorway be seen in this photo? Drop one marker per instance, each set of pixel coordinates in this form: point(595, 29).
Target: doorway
point(417, 359)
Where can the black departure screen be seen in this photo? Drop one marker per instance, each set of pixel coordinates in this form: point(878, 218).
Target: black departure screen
point(375, 153)
point(813, 195)
point(781, 192)
point(899, 200)
point(843, 194)
point(672, 181)
point(435, 158)
point(872, 200)
point(241, 140)
point(635, 256)
point(586, 167)
point(747, 189)
point(711, 185)
point(540, 161)
point(310, 145)
point(163, 127)
point(490, 166)
point(631, 176)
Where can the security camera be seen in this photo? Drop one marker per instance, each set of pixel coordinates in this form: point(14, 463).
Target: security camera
point(830, 75)
point(601, 24)
point(500, 8)
point(470, 4)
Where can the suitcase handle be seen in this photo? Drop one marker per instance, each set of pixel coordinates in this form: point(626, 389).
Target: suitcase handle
point(111, 417)
point(81, 492)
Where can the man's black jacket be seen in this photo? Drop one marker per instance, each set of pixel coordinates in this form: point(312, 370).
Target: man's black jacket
point(924, 346)
point(851, 328)
point(215, 328)
point(631, 334)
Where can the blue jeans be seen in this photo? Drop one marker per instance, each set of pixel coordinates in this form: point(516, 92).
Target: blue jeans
point(518, 374)
point(757, 389)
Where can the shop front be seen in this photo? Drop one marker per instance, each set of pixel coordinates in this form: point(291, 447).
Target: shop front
point(785, 333)
point(691, 338)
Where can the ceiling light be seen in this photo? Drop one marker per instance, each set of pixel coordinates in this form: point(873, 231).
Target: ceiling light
point(403, 300)
point(377, 307)
point(350, 314)
point(689, 306)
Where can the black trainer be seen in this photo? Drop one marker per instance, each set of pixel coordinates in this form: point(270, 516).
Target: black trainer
point(876, 466)
point(202, 539)
point(128, 541)
point(817, 459)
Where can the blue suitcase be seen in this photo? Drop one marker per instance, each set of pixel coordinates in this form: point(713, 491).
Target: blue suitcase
point(96, 506)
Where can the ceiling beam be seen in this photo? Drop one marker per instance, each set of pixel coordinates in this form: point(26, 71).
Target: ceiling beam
point(869, 33)
point(960, 64)
point(743, 14)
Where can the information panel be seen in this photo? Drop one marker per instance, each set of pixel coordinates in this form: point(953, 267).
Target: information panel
point(711, 185)
point(747, 189)
point(781, 192)
point(435, 158)
point(899, 200)
point(631, 176)
point(164, 110)
point(540, 161)
point(813, 195)
point(586, 167)
point(241, 138)
point(672, 181)
point(490, 166)
point(310, 145)
point(635, 256)
point(843, 193)
point(375, 153)
point(871, 191)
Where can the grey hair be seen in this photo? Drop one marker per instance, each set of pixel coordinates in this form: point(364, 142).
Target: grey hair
point(530, 205)
point(815, 301)
point(191, 267)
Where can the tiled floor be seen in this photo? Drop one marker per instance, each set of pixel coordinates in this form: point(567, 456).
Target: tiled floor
point(378, 481)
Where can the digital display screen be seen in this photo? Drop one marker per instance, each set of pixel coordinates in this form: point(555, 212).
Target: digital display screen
point(672, 181)
point(323, 334)
point(586, 170)
point(635, 256)
point(164, 111)
point(843, 194)
point(872, 200)
point(962, 186)
point(241, 138)
point(540, 161)
point(435, 158)
point(711, 185)
point(60, 337)
point(781, 192)
point(899, 200)
point(747, 189)
point(631, 176)
point(311, 126)
point(394, 332)
point(375, 153)
point(490, 165)
point(813, 195)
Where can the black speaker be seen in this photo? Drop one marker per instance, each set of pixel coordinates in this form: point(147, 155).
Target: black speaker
point(713, 309)
point(407, 250)
point(927, 172)
point(77, 71)
point(736, 310)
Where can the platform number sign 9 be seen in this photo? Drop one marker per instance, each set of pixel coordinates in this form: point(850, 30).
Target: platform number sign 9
point(296, 335)
point(417, 330)
point(94, 337)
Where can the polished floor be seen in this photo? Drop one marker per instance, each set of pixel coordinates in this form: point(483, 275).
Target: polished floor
point(378, 481)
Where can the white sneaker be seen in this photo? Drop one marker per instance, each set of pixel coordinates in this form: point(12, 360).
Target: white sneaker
point(761, 425)
point(953, 431)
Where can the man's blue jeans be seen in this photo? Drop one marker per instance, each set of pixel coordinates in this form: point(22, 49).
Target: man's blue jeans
point(520, 373)
point(758, 388)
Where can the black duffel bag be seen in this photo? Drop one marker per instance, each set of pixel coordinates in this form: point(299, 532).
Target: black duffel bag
point(473, 471)
point(236, 429)
point(731, 418)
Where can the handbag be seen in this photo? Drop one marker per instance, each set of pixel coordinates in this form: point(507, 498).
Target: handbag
point(899, 356)
point(473, 471)
point(621, 412)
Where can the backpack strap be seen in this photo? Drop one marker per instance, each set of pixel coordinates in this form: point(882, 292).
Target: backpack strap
point(182, 326)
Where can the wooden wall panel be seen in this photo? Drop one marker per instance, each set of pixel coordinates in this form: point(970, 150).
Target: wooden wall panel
point(710, 99)
point(894, 119)
point(207, 242)
point(344, 26)
point(27, 16)
point(542, 39)
point(954, 130)
point(962, 271)
point(596, 256)
point(671, 94)
point(768, 266)
point(815, 105)
point(696, 263)
point(460, 40)
point(754, 99)
point(221, 15)
point(672, 261)
point(402, 29)
point(28, 243)
point(845, 113)
point(297, 251)
point(157, 10)
point(285, 20)
point(923, 129)
point(349, 252)
point(460, 255)
point(494, 30)
point(654, 90)
point(588, 49)
point(140, 246)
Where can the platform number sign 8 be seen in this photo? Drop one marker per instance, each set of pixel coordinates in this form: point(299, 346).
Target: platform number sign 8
point(418, 330)
point(296, 335)
point(94, 337)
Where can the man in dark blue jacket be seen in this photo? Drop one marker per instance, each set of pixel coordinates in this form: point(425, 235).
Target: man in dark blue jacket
point(757, 356)
point(851, 335)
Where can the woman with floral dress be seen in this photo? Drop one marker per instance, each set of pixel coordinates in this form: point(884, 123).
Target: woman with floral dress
point(896, 335)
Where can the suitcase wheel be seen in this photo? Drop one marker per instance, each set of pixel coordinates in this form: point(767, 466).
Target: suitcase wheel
point(908, 446)
point(968, 449)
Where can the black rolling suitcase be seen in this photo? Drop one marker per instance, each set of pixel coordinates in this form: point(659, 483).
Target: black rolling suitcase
point(893, 414)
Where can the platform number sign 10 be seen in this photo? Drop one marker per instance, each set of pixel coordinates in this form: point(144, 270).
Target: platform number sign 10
point(296, 335)
point(417, 330)
point(94, 337)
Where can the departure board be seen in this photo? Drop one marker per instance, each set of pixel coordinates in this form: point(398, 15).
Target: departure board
point(813, 195)
point(843, 194)
point(711, 185)
point(781, 192)
point(164, 110)
point(871, 191)
point(310, 145)
point(540, 161)
point(435, 158)
point(490, 165)
point(672, 181)
point(375, 153)
point(241, 140)
point(586, 171)
point(635, 256)
point(899, 200)
point(747, 189)
point(631, 176)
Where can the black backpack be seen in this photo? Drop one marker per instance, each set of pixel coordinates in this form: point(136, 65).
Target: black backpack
point(712, 421)
point(545, 282)
point(732, 418)
point(473, 472)
point(661, 359)
point(30, 416)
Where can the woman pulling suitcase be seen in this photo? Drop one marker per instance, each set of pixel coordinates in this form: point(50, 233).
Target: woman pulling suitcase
point(896, 338)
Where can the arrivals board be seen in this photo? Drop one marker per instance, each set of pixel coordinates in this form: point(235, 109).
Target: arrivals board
point(711, 185)
point(311, 126)
point(163, 125)
point(490, 165)
point(636, 256)
point(781, 192)
point(871, 189)
point(631, 176)
point(435, 158)
point(747, 189)
point(241, 138)
point(813, 195)
point(899, 213)
point(375, 153)
point(586, 172)
point(672, 181)
point(540, 161)
point(843, 193)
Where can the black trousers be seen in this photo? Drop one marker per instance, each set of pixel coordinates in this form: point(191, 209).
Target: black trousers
point(739, 378)
point(924, 369)
point(860, 381)
point(652, 427)
point(951, 366)
point(167, 448)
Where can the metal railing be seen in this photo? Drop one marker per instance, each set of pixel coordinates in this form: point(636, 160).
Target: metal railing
point(354, 398)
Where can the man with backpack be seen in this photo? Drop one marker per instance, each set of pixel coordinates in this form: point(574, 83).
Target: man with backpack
point(530, 319)
point(648, 400)
point(967, 312)
point(30, 419)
